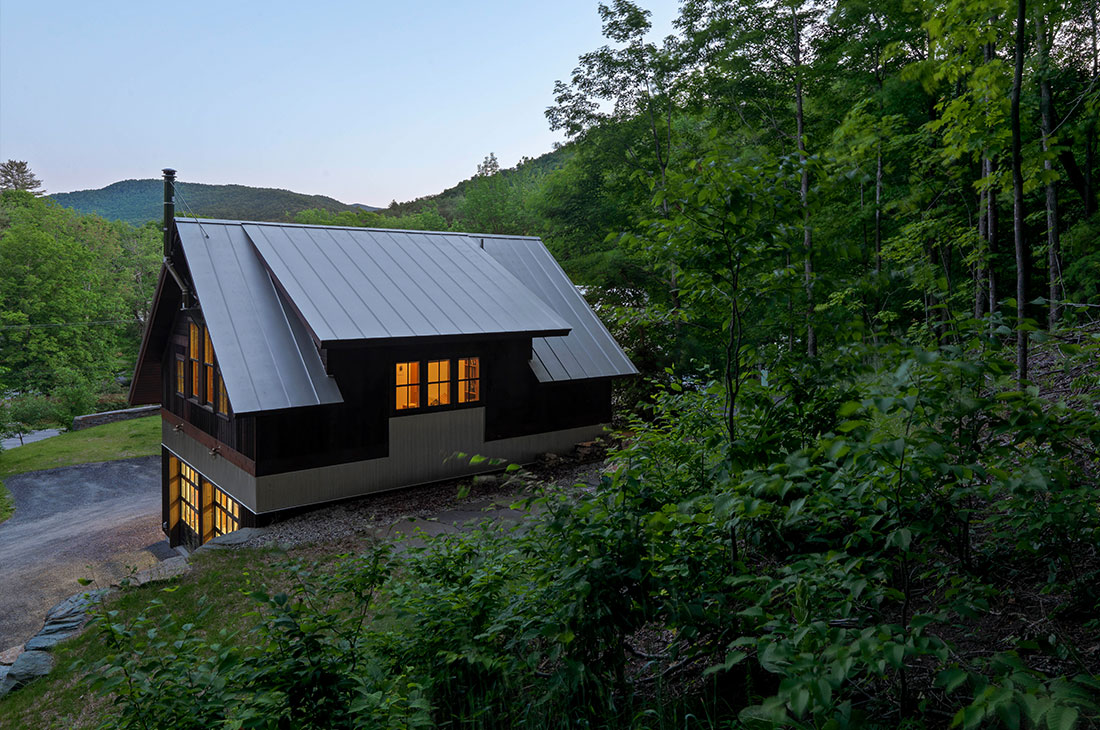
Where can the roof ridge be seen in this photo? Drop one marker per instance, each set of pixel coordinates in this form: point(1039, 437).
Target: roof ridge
point(227, 221)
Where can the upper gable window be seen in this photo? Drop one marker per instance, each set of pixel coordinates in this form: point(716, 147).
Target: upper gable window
point(408, 385)
point(205, 384)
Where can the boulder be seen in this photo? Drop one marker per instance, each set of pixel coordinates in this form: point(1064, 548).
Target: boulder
point(30, 665)
point(64, 620)
point(164, 570)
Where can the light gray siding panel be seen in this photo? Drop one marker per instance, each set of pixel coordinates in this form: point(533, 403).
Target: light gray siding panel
point(233, 480)
point(422, 449)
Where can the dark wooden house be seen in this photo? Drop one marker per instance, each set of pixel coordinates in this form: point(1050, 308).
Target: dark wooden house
point(298, 365)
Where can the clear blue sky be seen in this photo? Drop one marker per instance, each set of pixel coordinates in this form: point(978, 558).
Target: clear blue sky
point(362, 101)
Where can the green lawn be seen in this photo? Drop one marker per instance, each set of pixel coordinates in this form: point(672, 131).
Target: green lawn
point(123, 440)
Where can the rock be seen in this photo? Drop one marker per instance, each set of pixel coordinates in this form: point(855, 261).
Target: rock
point(233, 539)
point(64, 620)
point(10, 655)
point(549, 459)
point(164, 570)
point(30, 665)
point(486, 480)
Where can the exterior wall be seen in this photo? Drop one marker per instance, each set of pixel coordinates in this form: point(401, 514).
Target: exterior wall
point(421, 451)
point(236, 482)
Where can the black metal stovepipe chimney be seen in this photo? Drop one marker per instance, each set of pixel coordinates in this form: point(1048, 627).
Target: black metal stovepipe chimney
point(169, 208)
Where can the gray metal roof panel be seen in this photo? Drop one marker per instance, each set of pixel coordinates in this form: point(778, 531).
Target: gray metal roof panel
point(589, 350)
point(361, 283)
point(267, 359)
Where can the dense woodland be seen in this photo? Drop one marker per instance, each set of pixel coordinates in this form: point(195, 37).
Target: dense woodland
point(853, 248)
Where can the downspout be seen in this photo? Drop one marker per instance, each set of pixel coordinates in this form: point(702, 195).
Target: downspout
point(169, 217)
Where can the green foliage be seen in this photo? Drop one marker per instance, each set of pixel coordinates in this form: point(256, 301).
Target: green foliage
point(23, 414)
point(74, 293)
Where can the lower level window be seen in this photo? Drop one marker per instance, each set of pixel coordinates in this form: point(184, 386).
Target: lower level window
point(469, 379)
point(227, 516)
point(190, 497)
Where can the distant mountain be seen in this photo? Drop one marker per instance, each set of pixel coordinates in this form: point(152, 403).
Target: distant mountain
point(368, 208)
point(138, 201)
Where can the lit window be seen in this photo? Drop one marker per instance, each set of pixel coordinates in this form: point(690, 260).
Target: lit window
point(439, 382)
point(193, 354)
point(208, 368)
point(181, 375)
point(469, 379)
point(189, 497)
point(223, 399)
point(227, 515)
point(408, 385)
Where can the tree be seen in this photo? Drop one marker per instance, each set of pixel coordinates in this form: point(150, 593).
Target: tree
point(17, 175)
point(489, 166)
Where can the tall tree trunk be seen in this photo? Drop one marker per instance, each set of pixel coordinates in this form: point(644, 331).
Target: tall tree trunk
point(980, 282)
point(1018, 194)
point(991, 216)
point(1054, 254)
point(807, 235)
point(878, 211)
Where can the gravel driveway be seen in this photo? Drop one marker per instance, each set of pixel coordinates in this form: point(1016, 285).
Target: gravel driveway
point(89, 521)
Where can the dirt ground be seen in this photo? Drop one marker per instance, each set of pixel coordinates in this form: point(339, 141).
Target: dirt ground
point(97, 521)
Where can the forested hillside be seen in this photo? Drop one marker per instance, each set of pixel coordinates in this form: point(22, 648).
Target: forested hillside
point(140, 201)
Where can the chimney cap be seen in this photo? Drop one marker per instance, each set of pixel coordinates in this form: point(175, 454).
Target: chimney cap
point(168, 172)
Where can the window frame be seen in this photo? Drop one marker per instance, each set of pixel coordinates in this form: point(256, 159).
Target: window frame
point(424, 384)
point(203, 379)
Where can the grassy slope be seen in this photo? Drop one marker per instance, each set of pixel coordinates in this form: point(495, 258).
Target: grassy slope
point(65, 700)
point(123, 440)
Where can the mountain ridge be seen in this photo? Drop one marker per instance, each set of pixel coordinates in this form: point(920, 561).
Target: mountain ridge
point(138, 201)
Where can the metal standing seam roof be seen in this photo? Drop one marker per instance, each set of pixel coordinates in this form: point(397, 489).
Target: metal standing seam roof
point(267, 359)
point(589, 350)
point(365, 284)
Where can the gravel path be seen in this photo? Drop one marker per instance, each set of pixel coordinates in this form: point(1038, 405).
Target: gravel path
point(385, 514)
point(95, 521)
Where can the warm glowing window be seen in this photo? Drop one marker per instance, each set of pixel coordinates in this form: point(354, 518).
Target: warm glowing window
point(227, 514)
point(193, 354)
point(223, 399)
point(439, 382)
point(189, 497)
point(208, 367)
point(469, 379)
point(408, 385)
point(181, 375)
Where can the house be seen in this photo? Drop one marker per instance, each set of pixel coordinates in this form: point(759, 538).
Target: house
point(297, 365)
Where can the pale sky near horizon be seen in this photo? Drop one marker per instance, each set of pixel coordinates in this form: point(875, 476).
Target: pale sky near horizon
point(363, 101)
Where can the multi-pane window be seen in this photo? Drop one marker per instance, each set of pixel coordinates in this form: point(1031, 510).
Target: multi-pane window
point(208, 367)
point(227, 515)
point(181, 375)
point(408, 385)
point(439, 382)
point(438, 387)
point(193, 352)
point(223, 399)
point(206, 384)
point(189, 497)
point(469, 379)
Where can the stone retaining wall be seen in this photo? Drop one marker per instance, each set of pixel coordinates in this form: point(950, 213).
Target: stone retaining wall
point(98, 419)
